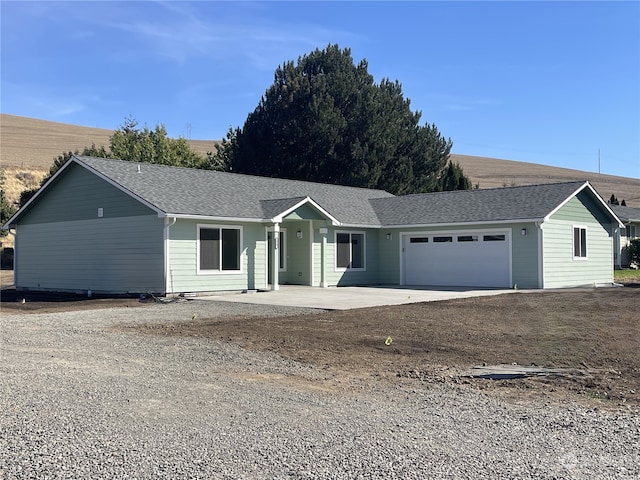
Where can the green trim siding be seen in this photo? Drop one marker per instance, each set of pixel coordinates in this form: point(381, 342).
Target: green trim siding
point(525, 263)
point(561, 269)
point(524, 251)
point(389, 257)
point(106, 255)
point(76, 195)
point(335, 277)
point(298, 254)
point(183, 258)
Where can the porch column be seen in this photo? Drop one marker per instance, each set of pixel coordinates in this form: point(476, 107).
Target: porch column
point(323, 251)
point(275, 255)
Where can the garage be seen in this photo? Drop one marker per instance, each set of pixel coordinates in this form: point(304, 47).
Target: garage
point(462, 258)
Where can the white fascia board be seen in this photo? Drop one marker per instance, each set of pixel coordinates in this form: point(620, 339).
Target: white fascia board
point(465, 224)
point(214, 218)
point(361, 225)
point(309, 200)
point(40, 191)
point(588, 186)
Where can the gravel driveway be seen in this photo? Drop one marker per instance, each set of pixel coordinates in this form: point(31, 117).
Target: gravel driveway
point(79, 400)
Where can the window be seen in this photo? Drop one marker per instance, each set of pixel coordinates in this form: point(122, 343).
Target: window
point(442, 239)
point(631, 231)
point(468, 238)
point(494, 238)
point(350, 250)
point(218, 249)
point(579, 242)
point(282, 248)
point(419, 240)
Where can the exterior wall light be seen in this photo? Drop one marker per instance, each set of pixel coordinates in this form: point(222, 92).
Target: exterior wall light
point(299, 234)
point(523, 232)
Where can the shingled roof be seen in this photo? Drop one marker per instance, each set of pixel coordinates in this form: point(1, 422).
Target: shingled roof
point(529, 202)
point(186, 191)
point(626, 214)
point(175, 191)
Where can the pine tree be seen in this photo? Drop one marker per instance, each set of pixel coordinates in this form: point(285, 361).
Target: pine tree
point(324, 119)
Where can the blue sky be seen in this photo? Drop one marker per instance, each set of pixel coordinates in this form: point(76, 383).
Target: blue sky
point(542, 82)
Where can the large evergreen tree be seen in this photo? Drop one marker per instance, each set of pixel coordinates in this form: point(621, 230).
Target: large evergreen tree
point(326, 120)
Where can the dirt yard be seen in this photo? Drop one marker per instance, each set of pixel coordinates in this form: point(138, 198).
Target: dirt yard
point(595, 333)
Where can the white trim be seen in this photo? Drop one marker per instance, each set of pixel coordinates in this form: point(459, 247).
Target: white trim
point(539, 228)
point(215, 218)
point(595, 194)
point(279, 218)
point(513, 221)
point(311, 252)
point(573, 242)
point(219, 271)
point(168, 281)
point(364, 251)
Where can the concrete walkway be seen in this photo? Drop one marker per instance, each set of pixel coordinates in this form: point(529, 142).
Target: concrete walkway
point(345, 298)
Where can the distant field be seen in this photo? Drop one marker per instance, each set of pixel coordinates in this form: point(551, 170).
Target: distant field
point(28, 147)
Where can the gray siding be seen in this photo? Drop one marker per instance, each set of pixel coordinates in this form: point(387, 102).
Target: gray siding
point(560, 267)
point(110, 255)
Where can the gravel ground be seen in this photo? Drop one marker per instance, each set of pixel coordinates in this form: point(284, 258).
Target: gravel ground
point(79, 400)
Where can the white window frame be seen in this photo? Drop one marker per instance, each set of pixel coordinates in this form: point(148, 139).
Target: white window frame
point(219, 271)
point(364, 251)
point(580, 228)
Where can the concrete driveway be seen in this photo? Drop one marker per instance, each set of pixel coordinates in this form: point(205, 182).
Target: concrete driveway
point(345, 298)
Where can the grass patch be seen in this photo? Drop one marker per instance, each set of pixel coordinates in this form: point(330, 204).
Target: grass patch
point(622, 276)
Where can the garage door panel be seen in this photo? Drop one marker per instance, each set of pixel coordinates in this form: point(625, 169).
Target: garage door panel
point(482, 260)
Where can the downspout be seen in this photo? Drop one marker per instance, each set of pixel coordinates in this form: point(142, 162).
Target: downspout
point(168, 280)
point(540, 255)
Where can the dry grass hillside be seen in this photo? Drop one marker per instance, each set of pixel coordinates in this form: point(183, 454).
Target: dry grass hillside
point(493, 172)
point(28, 147)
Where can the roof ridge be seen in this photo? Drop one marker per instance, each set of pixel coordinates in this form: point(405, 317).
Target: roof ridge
point(221, 172)
point(574, 182)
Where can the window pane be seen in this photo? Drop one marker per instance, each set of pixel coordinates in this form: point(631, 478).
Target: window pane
point(343, 250)
point(442, 239)
point(419, 240)
point(281, 250)
point(583, 242)
point(209, 249)
point(494, 238)
point(468, 238)
point(357, 250)
point(230, 249)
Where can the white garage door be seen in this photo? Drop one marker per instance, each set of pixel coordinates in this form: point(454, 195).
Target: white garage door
point(471, 259)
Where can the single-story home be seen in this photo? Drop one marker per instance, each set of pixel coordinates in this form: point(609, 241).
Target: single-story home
point(111, 226)
point(630, 217)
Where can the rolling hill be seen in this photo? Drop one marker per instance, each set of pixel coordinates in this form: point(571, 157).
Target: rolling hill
point(28, 147)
